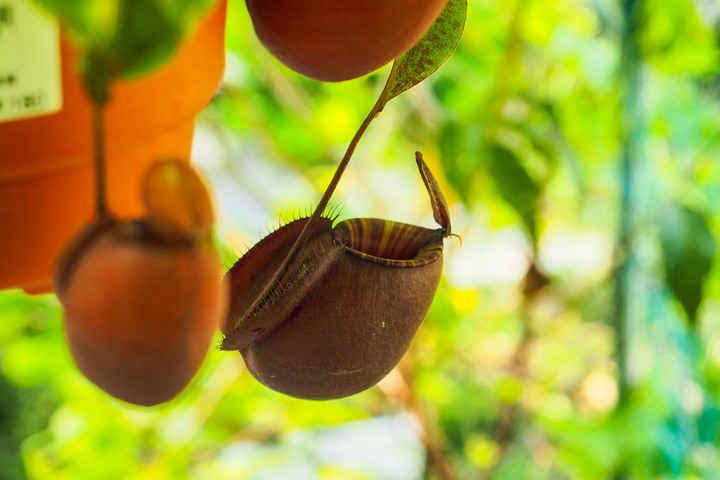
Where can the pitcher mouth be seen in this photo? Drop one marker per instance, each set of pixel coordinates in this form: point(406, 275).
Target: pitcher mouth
point(385, 242)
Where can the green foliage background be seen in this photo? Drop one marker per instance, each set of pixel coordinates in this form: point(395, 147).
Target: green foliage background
point(576, 333)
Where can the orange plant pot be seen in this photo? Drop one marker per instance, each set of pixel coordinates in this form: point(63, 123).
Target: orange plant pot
point(46, 175)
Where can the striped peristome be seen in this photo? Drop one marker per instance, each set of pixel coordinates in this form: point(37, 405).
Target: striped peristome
point(390, 243)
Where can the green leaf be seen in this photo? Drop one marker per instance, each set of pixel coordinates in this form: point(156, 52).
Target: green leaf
point(426, 56)
point(688, 248)
point(125, 38)
point(459, 164)
point(515, 185)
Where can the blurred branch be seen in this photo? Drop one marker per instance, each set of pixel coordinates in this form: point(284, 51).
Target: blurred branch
point(399, 390)
point(504, 434)
point(630, 85)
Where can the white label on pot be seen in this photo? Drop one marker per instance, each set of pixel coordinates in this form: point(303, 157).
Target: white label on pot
point(30, 75)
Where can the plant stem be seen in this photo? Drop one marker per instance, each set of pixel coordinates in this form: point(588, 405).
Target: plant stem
point(101, 210)
point(319, 209)
point(325, 199)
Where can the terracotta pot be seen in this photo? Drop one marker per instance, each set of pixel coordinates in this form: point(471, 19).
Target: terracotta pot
point(46, 175)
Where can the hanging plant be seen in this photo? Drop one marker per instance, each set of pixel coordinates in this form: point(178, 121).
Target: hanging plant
point(324, 312)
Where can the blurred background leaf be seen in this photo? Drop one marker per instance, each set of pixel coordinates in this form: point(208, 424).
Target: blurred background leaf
point(125, 38)
point(689, 249)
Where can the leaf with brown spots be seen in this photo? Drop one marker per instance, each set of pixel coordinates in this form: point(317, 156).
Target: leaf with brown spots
point(426, 56)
